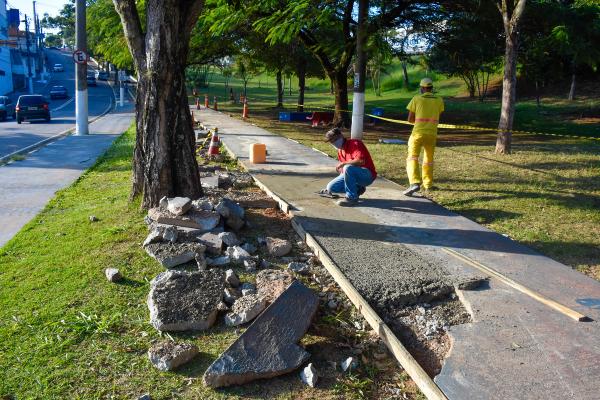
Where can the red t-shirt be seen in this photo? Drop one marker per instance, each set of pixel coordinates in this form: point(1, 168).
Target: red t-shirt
point(354, 149)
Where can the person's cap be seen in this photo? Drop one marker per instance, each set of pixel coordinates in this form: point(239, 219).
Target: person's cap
point(333, 134)
point(426, 82)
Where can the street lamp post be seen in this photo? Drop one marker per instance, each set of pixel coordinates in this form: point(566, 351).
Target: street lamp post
point(81, 94)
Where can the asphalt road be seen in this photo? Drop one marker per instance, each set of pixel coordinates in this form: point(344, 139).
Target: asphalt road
point(14, 137)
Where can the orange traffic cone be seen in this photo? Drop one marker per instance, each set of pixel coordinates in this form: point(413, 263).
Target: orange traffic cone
point(245, 110)
point(215, 108)
point(206, 100)
point(213, 148)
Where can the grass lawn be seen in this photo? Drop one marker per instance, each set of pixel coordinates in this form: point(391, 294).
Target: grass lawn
point(67, 333)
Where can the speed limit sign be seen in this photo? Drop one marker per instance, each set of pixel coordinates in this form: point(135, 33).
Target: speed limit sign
point(80, 57)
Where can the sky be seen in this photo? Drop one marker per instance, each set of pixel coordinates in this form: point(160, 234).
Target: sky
point(51, 7)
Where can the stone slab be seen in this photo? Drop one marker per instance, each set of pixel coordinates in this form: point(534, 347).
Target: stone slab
point(269, 346)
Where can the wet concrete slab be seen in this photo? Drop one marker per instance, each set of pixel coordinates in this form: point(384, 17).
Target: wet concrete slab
point(516, 347)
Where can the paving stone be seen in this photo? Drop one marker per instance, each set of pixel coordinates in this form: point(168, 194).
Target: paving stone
point(202, 220)
point(230, 295)
point(179, 205)
point(181, 301)
point(113, 275)
point(245, 309)
point(218, 261)
point(299, 267)
point(212, 241)
point(309, 375)
point(202, 205)
point(173, 254)
point(229, 238)
point(278, 247)
point(248, 288)
point(237, 254)
point(270, 283)
point(168, 355)
point(231, 278)
point(268, 347)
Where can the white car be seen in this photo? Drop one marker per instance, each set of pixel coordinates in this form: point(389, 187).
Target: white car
point(58, 68)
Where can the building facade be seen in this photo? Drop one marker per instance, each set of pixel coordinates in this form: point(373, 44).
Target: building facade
point(6, 78)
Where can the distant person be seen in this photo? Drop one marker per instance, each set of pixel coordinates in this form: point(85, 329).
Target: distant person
point(355, 167)
point(424, 112)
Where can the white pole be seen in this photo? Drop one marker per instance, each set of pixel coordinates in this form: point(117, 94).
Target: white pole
point(81, 94)
point(121, 95)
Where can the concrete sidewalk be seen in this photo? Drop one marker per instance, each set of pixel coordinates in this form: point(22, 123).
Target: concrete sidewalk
point(26, 186)
point(515, 348)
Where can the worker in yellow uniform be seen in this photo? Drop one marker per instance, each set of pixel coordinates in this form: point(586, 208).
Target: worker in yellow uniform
point(424, 112)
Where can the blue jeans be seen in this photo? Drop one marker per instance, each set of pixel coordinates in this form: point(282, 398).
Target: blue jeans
point(349, 180)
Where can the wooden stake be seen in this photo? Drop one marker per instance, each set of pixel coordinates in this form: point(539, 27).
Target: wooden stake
point(515, 285)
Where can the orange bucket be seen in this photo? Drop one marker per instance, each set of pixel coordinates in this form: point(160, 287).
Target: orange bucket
point(258, 153)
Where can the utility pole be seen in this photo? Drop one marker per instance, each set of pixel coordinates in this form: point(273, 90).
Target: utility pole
point(37, 40)
point(360, 72)
point(81, 94)
point(30, 80)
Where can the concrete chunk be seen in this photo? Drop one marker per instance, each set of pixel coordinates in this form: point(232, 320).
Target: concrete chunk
point(271, 283)
point(168, 355)
point(179, 205)
point(113, 275)
point(278, 247)
point(203, 220)
point(181, 301)
point(268, 347)
point(309, 375)
point(213, 243)
point(245, 309)
point(229, 238)
point(173, 254)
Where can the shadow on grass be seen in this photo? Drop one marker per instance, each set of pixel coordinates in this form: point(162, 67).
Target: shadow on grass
point(130, 283)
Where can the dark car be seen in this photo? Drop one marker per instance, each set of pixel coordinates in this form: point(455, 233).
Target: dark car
point(7, 108)
point(32, 106)
point(91, 80)
point(58, 92)
point(102, 75)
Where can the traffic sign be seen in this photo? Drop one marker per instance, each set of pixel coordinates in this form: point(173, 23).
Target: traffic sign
point(80, 57)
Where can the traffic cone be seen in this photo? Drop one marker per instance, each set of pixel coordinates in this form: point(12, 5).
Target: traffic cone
point(215, 108)
point(245, 110)
point(213, 147)
point(206, 100)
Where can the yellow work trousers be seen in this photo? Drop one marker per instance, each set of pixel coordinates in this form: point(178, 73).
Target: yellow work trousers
point(418, 141)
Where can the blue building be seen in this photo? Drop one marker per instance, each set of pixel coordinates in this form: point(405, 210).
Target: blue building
point(6, 78)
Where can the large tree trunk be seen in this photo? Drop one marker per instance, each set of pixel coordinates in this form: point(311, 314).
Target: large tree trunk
point(301, 72)
point(280, 90)
point(510, 18)
point(572, 90)
point(405, 74)
point(164, 161)
point(340, 87)
point(509, 90)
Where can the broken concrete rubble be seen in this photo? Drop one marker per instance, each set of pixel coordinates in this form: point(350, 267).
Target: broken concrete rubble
point(218, 261)
point(234, 222)
point(202, 205)
point(202, 220)
point(299, 267)
point(271, 283)
point(170, 234)
point(180, 301)
point(248, 288)
point(278, 247)
point(212, 241)
point(179, 205)
point(229, 238)
point(309, 375)
point(250, 265)
point(154, 236)
point(244, 310)
point(113, 275)
point(237, 254)
point(231, 278)
point(268, 347)
point(230, 295)
point(168, 355)
point(173, 254)
point(228, 208)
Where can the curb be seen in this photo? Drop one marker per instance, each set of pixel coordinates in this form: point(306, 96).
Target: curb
point(26, 150)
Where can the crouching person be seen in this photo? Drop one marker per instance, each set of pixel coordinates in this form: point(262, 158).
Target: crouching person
point(355, 167)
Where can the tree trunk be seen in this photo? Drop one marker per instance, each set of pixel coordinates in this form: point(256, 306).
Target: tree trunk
point(301, 71)
point(279, 90)
point(340, 87)
point(405, 73)
point(509, 90)
point(164, 162)
point(572, 90)
point(537, 94)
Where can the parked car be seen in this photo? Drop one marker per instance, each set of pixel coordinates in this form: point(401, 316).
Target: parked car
point(91, 80)
point(7, 108)
point(32, 106)
point(102, 75)
point(58, 68)
point(58, 92)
